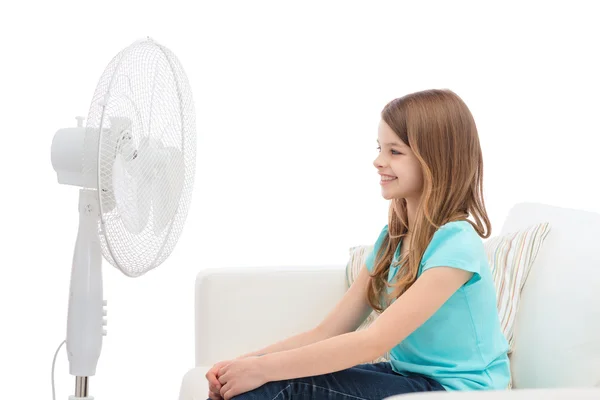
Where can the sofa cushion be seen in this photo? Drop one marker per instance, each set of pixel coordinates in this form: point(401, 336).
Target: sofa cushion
point(510, 257)
point(557, 328)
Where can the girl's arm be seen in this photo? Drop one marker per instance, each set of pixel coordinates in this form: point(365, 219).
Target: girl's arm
point(293, 342)
point(345, 317)
point(399, 320)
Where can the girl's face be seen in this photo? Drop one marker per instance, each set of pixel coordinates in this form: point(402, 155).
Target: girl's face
point(401, 174)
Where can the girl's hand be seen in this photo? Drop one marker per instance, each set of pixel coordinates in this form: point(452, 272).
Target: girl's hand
point(241, 376)
point(214, 386)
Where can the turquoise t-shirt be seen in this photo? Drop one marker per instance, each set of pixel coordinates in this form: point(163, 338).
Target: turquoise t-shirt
point(462, 345)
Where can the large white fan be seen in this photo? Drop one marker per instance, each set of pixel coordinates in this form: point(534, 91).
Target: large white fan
point(134, 162)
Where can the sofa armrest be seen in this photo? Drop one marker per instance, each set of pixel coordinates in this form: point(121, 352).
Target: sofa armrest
point(242, 309)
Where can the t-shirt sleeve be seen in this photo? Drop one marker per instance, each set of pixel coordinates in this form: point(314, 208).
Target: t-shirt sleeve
point(455, 245)
point(370, 259)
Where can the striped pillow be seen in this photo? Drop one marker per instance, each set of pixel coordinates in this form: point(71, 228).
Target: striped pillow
point(358, 255)
point(510, 257)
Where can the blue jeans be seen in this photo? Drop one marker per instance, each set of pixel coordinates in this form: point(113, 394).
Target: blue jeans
point(362, 382)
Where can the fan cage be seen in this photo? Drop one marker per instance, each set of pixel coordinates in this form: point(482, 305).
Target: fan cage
point(143, 95)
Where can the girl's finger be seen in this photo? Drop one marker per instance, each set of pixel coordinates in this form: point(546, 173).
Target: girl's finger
point(210, 376)
point(214, 389)
point(229, 394)
point(223, 379)
point(226, 388)
point(214, 396)
point(214, 382)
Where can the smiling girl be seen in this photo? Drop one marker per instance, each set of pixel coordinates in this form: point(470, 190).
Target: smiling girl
point(428, 278)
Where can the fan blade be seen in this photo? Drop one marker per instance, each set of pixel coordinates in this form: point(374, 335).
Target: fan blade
point(131, 189)
point(116, 140)
point(167, 188)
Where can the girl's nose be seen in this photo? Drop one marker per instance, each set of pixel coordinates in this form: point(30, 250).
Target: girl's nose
point(377, 162)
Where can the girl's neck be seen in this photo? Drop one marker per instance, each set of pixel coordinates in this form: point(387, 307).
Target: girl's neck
point(411, 210)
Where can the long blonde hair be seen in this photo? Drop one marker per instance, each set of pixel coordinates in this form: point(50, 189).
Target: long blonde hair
point(440, 130)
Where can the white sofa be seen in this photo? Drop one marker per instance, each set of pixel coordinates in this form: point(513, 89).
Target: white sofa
point(557, 331)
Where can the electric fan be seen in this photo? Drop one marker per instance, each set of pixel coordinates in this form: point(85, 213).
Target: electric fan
point(134, 163)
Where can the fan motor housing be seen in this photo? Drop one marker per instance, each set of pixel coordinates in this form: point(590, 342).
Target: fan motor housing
point(67, 158)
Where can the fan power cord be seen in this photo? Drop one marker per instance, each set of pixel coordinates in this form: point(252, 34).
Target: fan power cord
point(53, 362)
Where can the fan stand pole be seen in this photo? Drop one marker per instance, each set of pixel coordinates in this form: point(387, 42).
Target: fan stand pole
point(81, 387)
point(85, 318)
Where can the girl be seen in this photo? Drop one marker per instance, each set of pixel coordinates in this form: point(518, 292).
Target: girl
point(428, 278)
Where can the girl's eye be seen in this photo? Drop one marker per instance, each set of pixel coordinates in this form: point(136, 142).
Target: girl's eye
point(393, 151)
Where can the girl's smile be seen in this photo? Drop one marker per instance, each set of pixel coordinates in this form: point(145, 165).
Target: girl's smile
point(386, 179)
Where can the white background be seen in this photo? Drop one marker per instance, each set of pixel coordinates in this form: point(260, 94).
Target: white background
point(287, 98)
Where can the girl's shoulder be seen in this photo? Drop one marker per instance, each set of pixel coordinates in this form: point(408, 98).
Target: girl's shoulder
point(455, 237)
point(455, 244)
point(456, 229)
